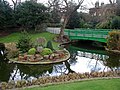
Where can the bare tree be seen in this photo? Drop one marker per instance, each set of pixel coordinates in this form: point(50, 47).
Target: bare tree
point(65, 9)
point(112, 1)
point(15, 3)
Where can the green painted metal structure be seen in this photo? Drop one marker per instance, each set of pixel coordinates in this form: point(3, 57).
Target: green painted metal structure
point(74, 49)
point(88, 34)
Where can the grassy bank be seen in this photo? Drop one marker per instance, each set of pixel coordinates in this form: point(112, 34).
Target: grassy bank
point(15, 36)
point(108, 84)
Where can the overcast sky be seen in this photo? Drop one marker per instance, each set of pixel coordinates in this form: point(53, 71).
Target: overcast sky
point(88, 3)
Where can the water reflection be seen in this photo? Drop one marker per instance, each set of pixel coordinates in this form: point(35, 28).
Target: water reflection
point(29, 72)
point(113, 61)
point(59, 69)
point(93, 60)
point(5, 71)
point(82, 60)
point(84, 64)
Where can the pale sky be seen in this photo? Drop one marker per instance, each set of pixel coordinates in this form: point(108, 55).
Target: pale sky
point(88, 3)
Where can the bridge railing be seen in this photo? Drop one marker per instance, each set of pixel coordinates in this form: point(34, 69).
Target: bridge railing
point(89, 34)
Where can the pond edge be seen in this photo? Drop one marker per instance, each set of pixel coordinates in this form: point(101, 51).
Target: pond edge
point(66, 82)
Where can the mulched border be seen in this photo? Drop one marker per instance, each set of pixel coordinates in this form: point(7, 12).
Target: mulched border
point(67, 82)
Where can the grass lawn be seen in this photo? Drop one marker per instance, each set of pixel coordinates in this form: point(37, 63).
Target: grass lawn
point(110, 84)
point(15, 36)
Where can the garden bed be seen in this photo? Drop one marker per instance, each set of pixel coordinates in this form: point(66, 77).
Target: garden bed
point(46, 81)
point(43, 59)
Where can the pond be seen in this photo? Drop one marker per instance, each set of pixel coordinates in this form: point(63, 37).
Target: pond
point(84, 58)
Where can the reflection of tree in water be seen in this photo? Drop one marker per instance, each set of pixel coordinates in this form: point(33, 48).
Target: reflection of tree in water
point(27, 71)
point(5, 71)
point(68, 67)
point(73, 54)
point(63, 68)
point(113, 61)
point(2, 52)
point(73, 58)
point(60, 69)
point(95, 61)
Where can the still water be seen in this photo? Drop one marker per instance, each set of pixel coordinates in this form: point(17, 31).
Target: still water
point(83, 59)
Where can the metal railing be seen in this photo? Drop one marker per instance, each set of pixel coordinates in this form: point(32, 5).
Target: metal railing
point(88, 34)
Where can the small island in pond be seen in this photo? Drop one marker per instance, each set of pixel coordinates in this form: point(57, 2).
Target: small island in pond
point(39, 51)
point(55, 57)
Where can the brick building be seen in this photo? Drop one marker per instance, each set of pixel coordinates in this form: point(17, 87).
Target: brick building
point(104, 10)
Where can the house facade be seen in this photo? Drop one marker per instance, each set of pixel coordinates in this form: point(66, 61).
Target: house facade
point(103, 10)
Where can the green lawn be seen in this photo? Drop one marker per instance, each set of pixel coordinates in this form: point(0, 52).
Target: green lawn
point(110, 84)
point(15, 36)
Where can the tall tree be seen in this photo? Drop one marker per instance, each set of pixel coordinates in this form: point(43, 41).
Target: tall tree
point(5, 14)
point(30, 14)
point(65, 9)
point(76, 20)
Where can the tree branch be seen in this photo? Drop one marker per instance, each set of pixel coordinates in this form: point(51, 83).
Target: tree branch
point(110, 1)
point(14, 2)
point(66, 3)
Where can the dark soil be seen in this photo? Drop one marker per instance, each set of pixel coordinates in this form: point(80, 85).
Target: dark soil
point(2, 34)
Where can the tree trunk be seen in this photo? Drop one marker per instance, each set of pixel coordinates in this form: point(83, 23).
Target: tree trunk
point(62, 29)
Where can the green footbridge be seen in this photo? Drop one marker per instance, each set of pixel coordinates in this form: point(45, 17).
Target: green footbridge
point(88, 34)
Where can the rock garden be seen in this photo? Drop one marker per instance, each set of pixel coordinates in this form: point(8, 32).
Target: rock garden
point(39, 51)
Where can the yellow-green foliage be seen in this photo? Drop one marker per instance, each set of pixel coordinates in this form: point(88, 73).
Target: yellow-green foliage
point(46, 51)
point(113, 40)
point(32, 51)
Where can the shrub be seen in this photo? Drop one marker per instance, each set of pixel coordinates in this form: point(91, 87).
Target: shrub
point(113, 40)
point(40, 42)
point(41, 28)
point(87, 25)
point(12, 51)
point(32, 51)
point(115, 22)
point(46, 51)
point(103, 25)
point(49, 45)
point(24, 43)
